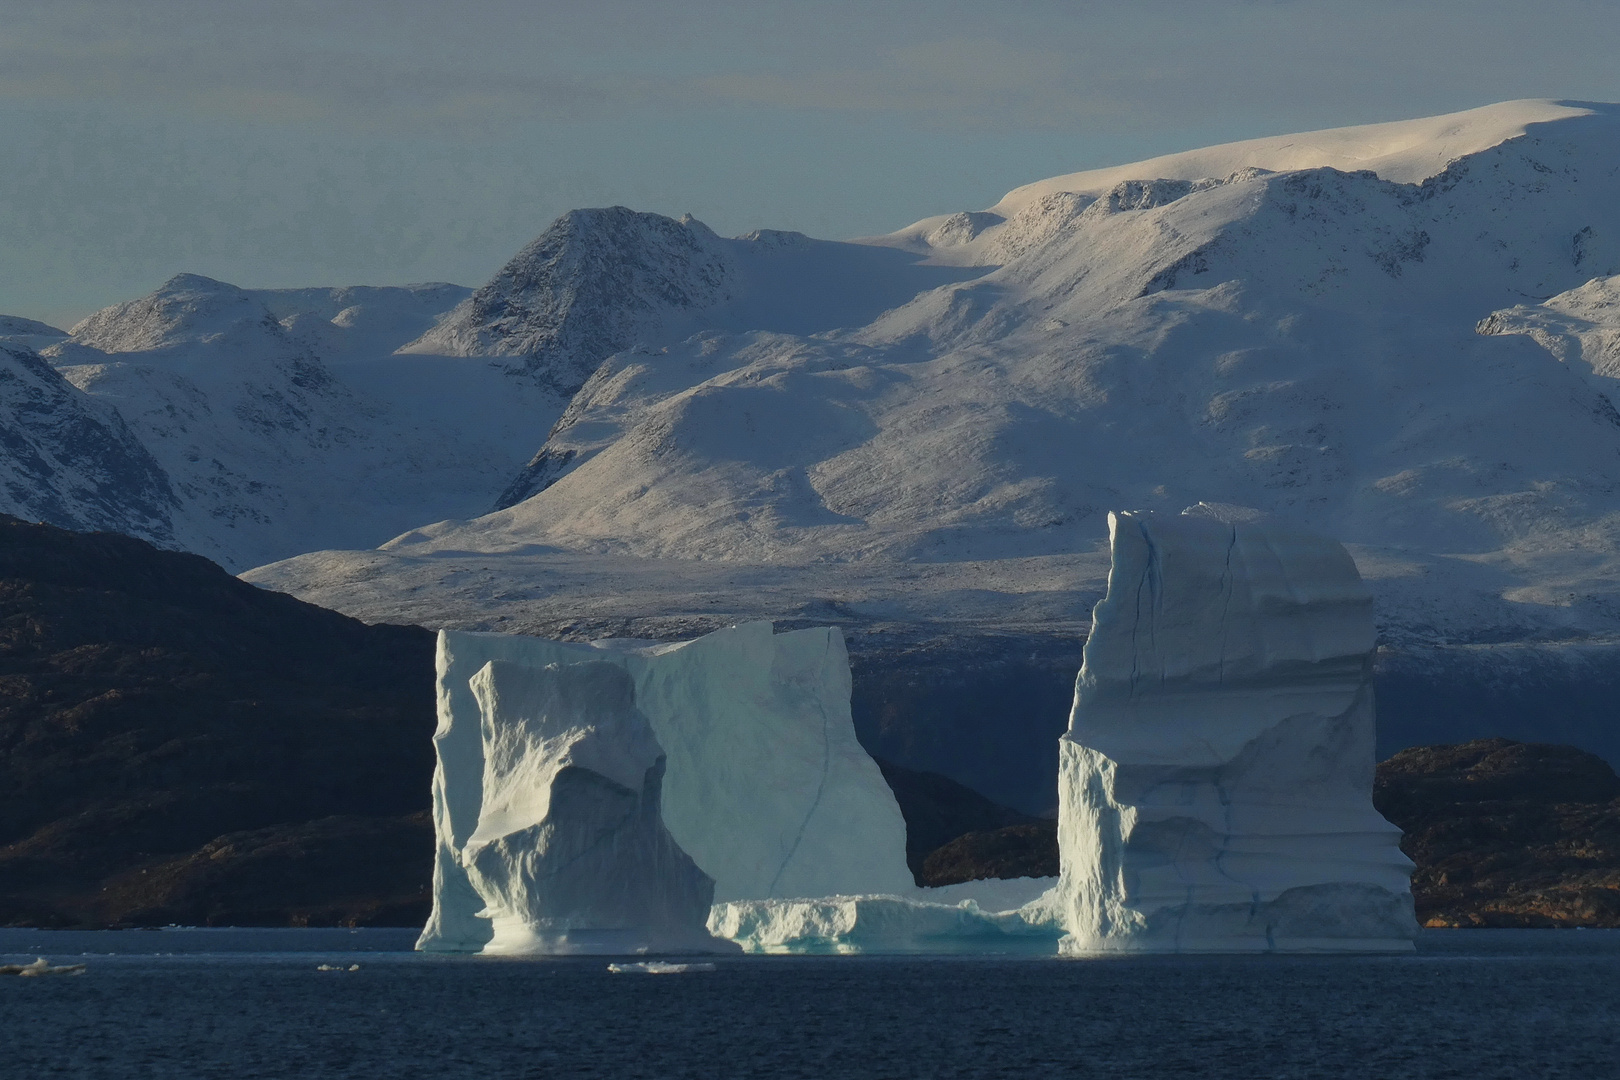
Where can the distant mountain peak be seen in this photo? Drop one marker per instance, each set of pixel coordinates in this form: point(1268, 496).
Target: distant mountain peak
point(72, 461)
point(583, 290)
point(188, 308)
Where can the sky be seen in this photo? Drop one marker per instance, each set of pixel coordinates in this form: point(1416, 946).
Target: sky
point(275, 143)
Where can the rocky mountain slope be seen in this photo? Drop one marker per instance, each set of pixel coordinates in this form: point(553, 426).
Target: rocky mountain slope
point(68, 459)
point(178, 746)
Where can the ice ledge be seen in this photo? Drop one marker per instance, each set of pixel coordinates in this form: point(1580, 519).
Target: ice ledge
point(890, 924)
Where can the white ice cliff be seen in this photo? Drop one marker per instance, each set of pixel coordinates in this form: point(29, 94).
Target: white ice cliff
point(1216, 778)
point(569, 854)
point(766, 787)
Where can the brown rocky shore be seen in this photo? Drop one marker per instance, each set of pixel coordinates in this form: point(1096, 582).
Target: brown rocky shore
point(1506, 833)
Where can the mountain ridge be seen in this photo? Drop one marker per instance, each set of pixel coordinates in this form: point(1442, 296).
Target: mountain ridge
point(1399, 335)
point(1310, 341)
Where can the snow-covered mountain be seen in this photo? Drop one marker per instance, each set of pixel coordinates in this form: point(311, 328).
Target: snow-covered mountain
point(269, 408)
point(72, 461)
point(1302, 341)
point(1346, 328)
point(28, 333)
point(1401, 335)
point(282, 421)
point(598, 281)
point(601, 281)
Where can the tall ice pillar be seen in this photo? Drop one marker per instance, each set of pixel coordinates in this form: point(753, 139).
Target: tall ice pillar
point(1215, 783)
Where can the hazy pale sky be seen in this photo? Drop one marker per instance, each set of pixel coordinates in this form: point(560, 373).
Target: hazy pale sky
point(273, 142)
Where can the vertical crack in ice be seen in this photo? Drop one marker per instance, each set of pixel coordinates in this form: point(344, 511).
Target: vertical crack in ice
point(1136, 623)
point(821, 787)
point(1226, 605)
point(1187, 826)
point(1225, 798)
point(1181, 917)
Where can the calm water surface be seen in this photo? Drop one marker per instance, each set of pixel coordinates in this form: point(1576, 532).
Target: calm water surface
point(251, 1003)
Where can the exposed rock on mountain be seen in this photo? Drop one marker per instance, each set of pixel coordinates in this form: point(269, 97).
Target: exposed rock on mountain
point(161, 720)
point(72, 461)
point(583, 290)
point(1506, 833)
point(603, 281)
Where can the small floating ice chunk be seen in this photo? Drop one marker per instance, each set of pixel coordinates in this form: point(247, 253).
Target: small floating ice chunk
point(41, 966)
point(657, 967)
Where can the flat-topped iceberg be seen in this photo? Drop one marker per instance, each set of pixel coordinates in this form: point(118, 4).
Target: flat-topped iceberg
point(765, 786)
point(1215, 782)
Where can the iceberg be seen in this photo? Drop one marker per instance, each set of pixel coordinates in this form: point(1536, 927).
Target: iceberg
point(1215, 781)
point(570, 854)
point(765, 786)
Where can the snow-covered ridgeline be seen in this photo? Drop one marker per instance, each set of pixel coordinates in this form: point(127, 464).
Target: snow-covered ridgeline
point(1302, 341)
point(409, 405)
point(267, 409)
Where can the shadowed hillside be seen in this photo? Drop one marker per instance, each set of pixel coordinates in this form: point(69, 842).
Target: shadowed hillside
point(179, 746)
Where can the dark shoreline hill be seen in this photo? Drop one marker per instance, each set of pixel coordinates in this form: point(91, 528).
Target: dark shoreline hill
point(1506, 833)
point(177, 745)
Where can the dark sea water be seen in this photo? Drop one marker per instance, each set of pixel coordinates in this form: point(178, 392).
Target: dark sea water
point(251, 1003)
